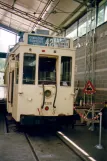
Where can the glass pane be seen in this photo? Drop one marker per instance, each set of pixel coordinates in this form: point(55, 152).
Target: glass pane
point(86, 26)
point(82, 29)
point(66, 70)
point(2, 64)
point(106, 12)
point(29, 67)
point(1, 78)
point(100, 15)
point(17, 68)
point(73, 34)
point(47, 70)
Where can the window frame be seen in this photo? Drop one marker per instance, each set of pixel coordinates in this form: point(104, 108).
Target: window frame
point(70, 30)
point(47, 56)
point(99, 9)
point(17, 79)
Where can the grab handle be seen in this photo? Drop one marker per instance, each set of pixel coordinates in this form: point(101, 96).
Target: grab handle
point(55, 97)
point(43, 97)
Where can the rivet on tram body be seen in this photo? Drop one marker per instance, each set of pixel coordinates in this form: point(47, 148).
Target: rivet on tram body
point(54, 51)
point(29, 99)
point(30, 49)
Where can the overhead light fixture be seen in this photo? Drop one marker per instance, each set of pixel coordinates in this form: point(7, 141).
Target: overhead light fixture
point(54, 11)
point(47, 9)
point(78, 45)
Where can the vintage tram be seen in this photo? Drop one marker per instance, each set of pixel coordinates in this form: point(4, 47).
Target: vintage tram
point(39, 75)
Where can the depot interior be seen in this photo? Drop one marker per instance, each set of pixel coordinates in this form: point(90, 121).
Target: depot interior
point(85, 22)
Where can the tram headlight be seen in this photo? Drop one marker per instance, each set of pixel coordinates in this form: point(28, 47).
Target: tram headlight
point(47, 93)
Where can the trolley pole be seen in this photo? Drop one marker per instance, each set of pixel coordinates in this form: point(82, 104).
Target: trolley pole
point(99, 146)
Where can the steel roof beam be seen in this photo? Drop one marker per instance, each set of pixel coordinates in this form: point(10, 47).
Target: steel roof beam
point(43, 11)
point(9, 28)
point(87, 2)
point(29, 17)
point(14, 1)
point(82, 2)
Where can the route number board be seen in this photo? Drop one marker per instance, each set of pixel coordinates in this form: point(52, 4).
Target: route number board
point(48, 41)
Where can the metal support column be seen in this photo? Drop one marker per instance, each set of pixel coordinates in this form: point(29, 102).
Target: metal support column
point(89, 46)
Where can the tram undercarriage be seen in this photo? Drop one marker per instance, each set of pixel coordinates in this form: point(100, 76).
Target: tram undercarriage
point(29, 120)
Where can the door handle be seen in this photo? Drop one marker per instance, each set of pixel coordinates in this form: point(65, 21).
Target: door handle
point(72, 94)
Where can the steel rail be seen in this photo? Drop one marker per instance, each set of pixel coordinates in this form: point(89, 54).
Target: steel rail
point(31, 147)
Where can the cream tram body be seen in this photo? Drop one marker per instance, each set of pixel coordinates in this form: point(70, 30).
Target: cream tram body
point(40, 82)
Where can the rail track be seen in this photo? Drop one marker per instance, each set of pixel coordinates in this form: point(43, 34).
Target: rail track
point(46, 146)
point(52, 148)
point(32, 148)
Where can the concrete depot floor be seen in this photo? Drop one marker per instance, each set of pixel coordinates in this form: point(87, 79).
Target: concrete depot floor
point(87, 140)
point(12, 143)
point(12, 149)
point(51, 148)
point(15, 147)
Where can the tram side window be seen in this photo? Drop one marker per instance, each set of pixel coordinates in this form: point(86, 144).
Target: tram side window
point(29, 67)
point(66, 71)
point(17, 69)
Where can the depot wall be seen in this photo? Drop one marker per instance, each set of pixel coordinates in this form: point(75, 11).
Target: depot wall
point(100, 63)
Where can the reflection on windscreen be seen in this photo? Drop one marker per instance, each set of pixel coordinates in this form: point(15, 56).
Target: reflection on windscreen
point(47, 70)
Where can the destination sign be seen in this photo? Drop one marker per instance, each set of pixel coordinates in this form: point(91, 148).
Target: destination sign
point(48, 41)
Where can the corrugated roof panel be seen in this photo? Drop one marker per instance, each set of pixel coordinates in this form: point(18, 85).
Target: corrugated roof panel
point(36, 9)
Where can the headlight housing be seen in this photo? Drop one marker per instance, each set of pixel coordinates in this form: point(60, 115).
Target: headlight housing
point(47, 93)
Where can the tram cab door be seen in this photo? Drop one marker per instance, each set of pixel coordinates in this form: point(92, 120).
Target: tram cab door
point(11, 88)
point(47, 70)
point(47, 77)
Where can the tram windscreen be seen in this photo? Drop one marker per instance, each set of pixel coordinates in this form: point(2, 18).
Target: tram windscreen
point(47, 70)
